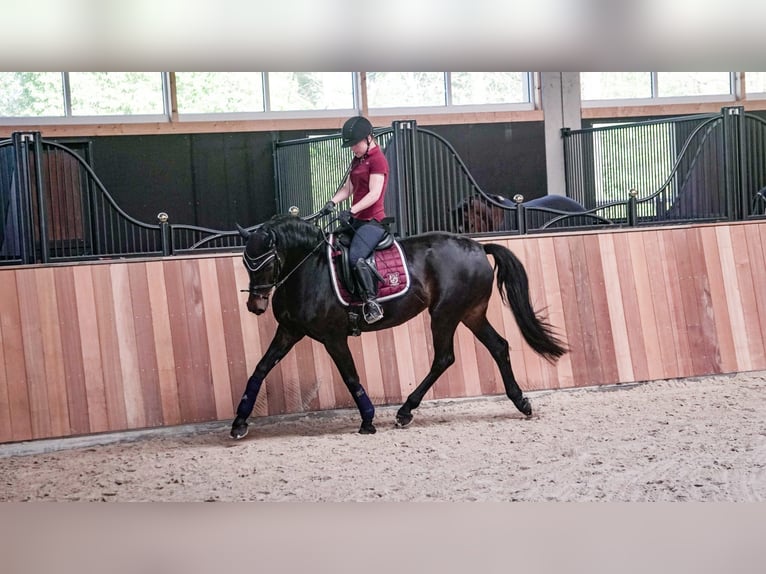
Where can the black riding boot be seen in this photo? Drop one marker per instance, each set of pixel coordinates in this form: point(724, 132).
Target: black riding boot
point(372, 311)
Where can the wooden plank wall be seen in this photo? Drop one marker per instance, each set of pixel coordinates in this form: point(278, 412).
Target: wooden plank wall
point(109, 346)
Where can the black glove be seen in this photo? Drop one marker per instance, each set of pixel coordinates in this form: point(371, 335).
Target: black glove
point(344, 217)
point(328, 208)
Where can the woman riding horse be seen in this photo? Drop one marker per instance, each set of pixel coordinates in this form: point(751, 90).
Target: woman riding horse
point(450, 276)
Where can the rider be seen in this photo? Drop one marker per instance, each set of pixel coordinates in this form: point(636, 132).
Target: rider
point(366, 185)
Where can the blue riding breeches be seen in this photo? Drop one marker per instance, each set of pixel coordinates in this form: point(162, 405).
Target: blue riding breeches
point(366, 237)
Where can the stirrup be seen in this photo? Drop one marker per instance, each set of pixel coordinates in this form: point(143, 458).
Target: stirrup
point(372, 312)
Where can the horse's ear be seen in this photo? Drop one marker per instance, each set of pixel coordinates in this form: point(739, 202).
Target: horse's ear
point(243, 232)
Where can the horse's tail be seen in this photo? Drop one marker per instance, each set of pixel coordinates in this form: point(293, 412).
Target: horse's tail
point(513, 285)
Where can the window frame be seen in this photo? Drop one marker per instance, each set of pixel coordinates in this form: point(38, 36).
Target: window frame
point(657, 100)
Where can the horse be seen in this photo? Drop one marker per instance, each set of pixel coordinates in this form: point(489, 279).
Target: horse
point(450, 276)
point(477, 214)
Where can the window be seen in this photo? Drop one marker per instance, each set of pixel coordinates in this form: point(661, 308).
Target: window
point(405, 89)
point(439, 89)
point(680, 84)
point(67, 94)
point(755, 83)
point(32, 94)
point(296, 91)
point(615, 85)
point(219, 92)
point(116, 93)
point(252, 92)
point(489, 87)
point(595, 86)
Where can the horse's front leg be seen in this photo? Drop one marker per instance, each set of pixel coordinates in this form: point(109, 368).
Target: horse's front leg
point(280, 345)
point(344, 361)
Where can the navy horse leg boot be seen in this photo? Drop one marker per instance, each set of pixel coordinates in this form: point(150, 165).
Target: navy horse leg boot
point(371, 311)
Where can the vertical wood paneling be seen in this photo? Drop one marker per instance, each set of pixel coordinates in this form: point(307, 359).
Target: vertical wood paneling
point(56, 379)
point(306, 376)
point(388, 366)
point(74, 392)
point(163, 339)
point(404, 361)
point(323, 367)
point(110, 350)
point(146, 346)
point(646, 316)
point(733, 298)
point(373, 374)
point(14, 359)
point(571, 307)
point(727, 358)
point(709, 355)
point(597, 290)
point(88, 333)
point(202, 378)
point(126, 342)
point(216, 337)
point(674, 296)
point(564, 376)
point(529, 256)
point(34, 361)
point(746, 274)
point(617, 322)
point(6, 428)
point(232, 329)
point(661, 305)
point(179, 331)
point(757, 255)
point(631, 308)
point(111, 346)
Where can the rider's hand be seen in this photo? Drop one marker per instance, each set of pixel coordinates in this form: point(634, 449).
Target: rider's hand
point(328, 208)
point(344, 217)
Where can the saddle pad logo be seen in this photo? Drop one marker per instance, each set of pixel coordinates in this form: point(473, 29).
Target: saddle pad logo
point(393, 279)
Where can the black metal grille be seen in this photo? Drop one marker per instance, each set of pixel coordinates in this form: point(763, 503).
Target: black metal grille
point(53, 207)
point(706, 167)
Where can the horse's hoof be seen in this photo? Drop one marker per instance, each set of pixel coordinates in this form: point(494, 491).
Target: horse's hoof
point(403, 420)
point(525, 406)
point(238, 429)
point(367, 428)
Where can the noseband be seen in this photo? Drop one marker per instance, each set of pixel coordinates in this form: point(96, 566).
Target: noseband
point(254, 264)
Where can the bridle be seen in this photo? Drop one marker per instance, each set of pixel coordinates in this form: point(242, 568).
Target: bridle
point(254, 264)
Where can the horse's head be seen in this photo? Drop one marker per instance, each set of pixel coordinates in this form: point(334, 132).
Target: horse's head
point(263, 266)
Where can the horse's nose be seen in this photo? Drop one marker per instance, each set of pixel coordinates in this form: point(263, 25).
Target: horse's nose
point(257, 305)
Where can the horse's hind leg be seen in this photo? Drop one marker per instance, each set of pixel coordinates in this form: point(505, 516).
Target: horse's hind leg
point(280, 345)
point(444, 356)
point(344, 361)
point(498, 348)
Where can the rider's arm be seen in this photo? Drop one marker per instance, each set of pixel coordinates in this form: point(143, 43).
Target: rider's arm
point(343, 193)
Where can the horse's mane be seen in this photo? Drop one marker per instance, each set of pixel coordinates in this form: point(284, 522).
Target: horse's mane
point(290, 231)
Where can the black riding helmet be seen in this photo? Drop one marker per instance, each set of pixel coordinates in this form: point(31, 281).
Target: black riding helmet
point(355, 130)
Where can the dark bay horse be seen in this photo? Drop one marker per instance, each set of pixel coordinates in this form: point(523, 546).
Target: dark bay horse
point(450, 276)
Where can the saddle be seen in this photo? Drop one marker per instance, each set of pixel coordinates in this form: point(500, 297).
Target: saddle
point(386, 261)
